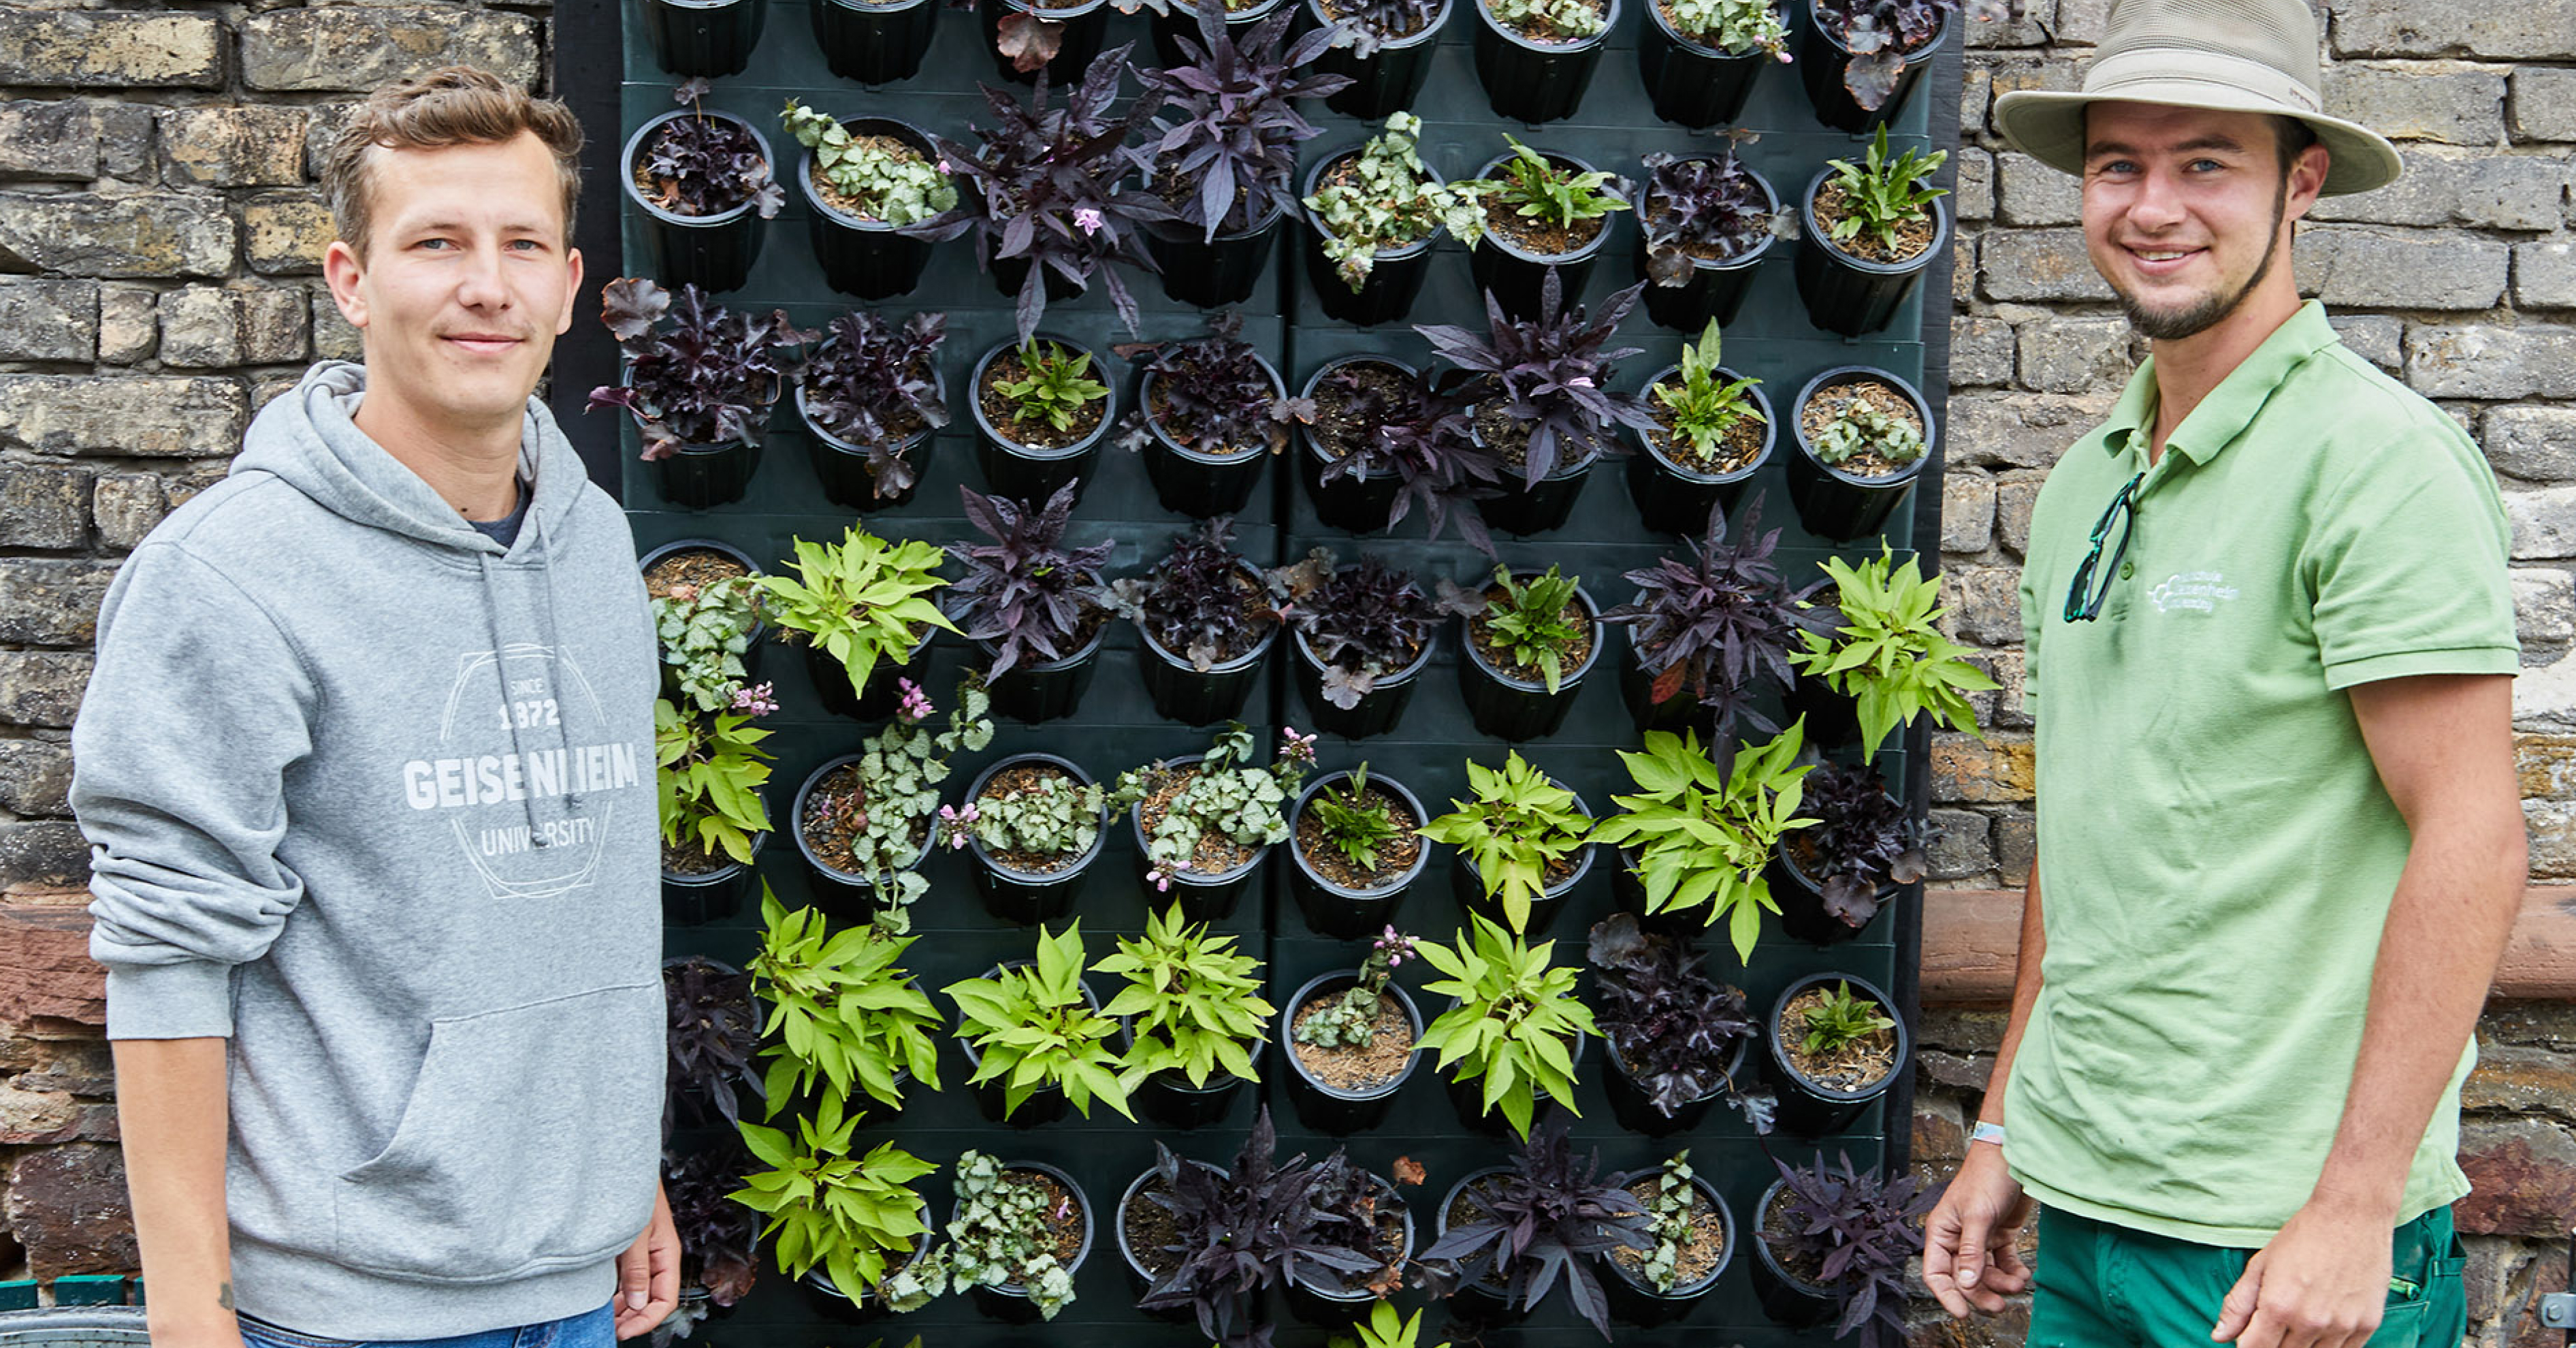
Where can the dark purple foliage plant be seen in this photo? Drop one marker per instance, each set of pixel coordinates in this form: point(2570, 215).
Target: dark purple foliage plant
point(716, 1233)
point(1202, 601)
point(1240, 1230)
point(713, 1034)
point(706, 378)
point(1863, 839)
point(1547, 1217)
point(1212, 393)
point(1551, 374)
point(1700, 209)
point(1670, 1023)
point(1878, 34)
point(1225, 152)
point(1366, 23)
point(1023, 591)
point(1362, 621)
point(1852, 1234)
point(1716, 622)
point(874, 384)
point(708, 165)
point(1415, 431)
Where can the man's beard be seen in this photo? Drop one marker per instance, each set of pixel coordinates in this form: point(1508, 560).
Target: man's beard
point(2199, 318)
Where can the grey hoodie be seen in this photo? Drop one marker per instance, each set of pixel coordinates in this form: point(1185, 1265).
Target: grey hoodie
point(373, 796)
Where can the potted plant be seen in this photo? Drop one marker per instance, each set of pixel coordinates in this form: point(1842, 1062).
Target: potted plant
point(1386, 1327)
point(1695, 841)
point(1051, 202)
point(712, 1033)
point(1544, 404)
point(1358, 849)
point(864, 180)
point(1833, 1050)
point(858, 607)
point(1514, 1028)
point(850, 1227)
point(1840, 868)
point(719, 1238)
point(1523, 843)
point(1380, 438)
point(1204, 822)
point(1510, 1232)
point(1530, 639)
point(1712, 626)
point(1364, 634)
point(1675, 1037)
point(1694, 1238)
point(1543, 210)
point(1039, 609)
point(1863, 437)
point(1209, 413)
point(1040, 417)
point(1224, 151)
point(1033, 1031)
point(1698, 58)
point(707, 185)
point(710, 768)
point(1035, 823)
point(1207, 617)
point(699, 389)
point(1363, 1214)
point(1870, 230)
point(1707, 221)
point(1372, 214)
point(1887, 663)
point(1385, 49)
point(1349, 1038)
point(1712, 431)
point(845, 1019)
point(870, 401)
point(1859, 59)
point(1536, 57)
point(874, 41)
point(1833, 1246)
point(1053, 40)
point(708, 634)
point(1193, 1005)
point(704, 37)
point(1017, 1235)
point(866, 821)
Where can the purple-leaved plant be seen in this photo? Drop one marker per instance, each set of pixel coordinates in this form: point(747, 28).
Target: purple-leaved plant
point(1852, 1234)
point(1023, 591)
point(708, 165)
point(1547, 1217)
point(713, 1033)
point(1413, 427)
point(716, 1234)
point(1226, 152)
point(1366, 23)
point(1862, 840)
point(1203, 601)
point(707, 378)
point(1362, 621)
point(1551, 374)
point(1878, 34)
point(1701, 208)
point(1239, 1230)
point(1670, 1024)
point(873, 384)
point(1212, 393)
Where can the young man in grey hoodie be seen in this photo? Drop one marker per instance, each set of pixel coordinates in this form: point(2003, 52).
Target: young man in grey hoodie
point(367, 772)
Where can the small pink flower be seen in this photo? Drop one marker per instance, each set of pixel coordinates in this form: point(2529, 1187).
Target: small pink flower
point(1162, 882)
point(759, 700)
point(943, 167)
point(1580, 381)
point(1088, 220)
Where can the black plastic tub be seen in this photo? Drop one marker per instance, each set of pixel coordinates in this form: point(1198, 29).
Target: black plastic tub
point(1387, 79)
point(1634, 1107)
point(1195, 482)
point(1467, 883)
point(1327, 1108)
point(1833, 719)
point(874, 44)
point(1838, 505)
point(1632, 1300)
point(1010, 1302)
point(832, 681)
point(1509, 707)
point(1394, 279)
point(1031, 473)
point(1379, 709)
point(842, 466)
point(859, 256)
point(1807, 1108)
point(1213, 273)
point(1717, 287)
point(1802, 901)
point(1085, 25)
point(1689, 82)
point(1517, 277)
point(1851, 295)
point(1337, 910)
point(702, 477)
point(692, 900)
point(1045, 1105)
point(1182, 21)
point(1678, 713)
point(1821, 57)
point(1202, 897)
point(1522, 509)
point(1192, 696)
point(1346, 502)
point(1672, 499)
point(1168, 1098)
point(1030, 897)
point(1790, 1302)
point(711, 252)
point(1334, 1304)
point(1528, 81)
point(1033, 692)
point(704, 37)
point(842, 895)
point(832, 1304)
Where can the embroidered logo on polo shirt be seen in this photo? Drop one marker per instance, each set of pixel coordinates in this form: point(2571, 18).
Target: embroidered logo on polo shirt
point(2191, 592)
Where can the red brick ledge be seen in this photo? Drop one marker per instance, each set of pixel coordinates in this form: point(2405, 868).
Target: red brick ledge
point(1970, 937)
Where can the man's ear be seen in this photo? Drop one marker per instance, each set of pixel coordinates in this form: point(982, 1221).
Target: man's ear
point(572, 293)
point(342, 270)
point(2307, 180)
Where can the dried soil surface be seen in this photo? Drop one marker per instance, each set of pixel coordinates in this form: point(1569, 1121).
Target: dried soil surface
point(1018, 780)
point(1856, 1066)
point(1336, 431)
point(1531, 234)
point(1216, 853)
point(1736, 450)
point(1149, 1227)
point(699, 567)
point(1829, 402)
point(841, 792)
point(688, 859)
point(1350, 1067)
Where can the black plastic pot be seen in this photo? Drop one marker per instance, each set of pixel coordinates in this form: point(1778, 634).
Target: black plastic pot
point(1332, 1304)
point(1140, 1278)
point(1202, 897)
point(704, 37)
point(1029, 897)
point(1678, 713)
point(1192, 696)
point(1379, 709)
point(1851, 295)
point(1467, 1099)
point(1169, 1099)
point(1807, 1108)
point(1330, 1109)
point(1833, 719)
point(1045, 690)
point(1386, 80)
point(1085, 24)
point(1528, 81)
point(1182, 21)
point(1346, 502)
point(843, 466)
point(1009, 1302)
point(1790, 1302)
point(1509, 707)
point(1032, 473)
point(841, 894)
point(1821, 57)
point(1716, 289)
point(1523, 509)
point(871, 43)
point(711, 252)
point(751, 655)
point(702, 477)
point(1045, 1105)
point(862, 257)
point(1213, 273)
point(1672, 499)
point(1468, 885)
point(1633, 1301)
point(1635, 1109)
point(1516, 276)
point(878, 702)
point(1802, 901)
point(1689, 82)
point(1394, 278)
point(1838, 505)
point(1194, 482)
point(838, 1307)
point(711, 896)
point(1337, 910)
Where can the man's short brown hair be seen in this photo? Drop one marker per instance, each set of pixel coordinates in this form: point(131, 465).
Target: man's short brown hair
point(454, 105)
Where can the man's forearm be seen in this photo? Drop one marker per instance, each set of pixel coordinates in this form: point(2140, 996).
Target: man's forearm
point(170, 1110)
point(2026, 979)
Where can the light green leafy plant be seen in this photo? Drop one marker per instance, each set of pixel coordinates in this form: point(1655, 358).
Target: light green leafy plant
point(1842, 1020)
point(1536, 188)
point(1669, 1213)
point(1736, 27)
point(1857, 428)
point(1881, 195)
point(1004, 1234)
point(710, 773)
point(842, 1012)
point(1055, 385)
point(895, 794)
point(855, 1217)
point(1517, 825)
point(704, 630)
point(1244, 804)
point(1357, 825)
point(1528, 620)
point(1515, 1024)
point(1889, 656)
point(859, 599)
point(1386, 1328)
point(1035, 1028)
point(1192, 1001)
point(1052, 815)
point(1353, 1019)
point(1392, 199)
point(1565, 20)
point(897, 188)
point(1703, 836)
point(1706, 405)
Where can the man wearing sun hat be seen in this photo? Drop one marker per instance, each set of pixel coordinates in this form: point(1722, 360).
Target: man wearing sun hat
point(2270, 643)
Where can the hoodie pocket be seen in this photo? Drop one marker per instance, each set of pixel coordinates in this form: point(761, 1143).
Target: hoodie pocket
point(529, 1144)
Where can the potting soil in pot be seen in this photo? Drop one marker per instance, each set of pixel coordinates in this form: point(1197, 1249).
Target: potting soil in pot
point(1036, 432)
point(1533, 235)
point(1356, 1067)
point(1216, 852)
point(690, 859)
point(828, 809)
point(1189, 438)
point(1828, 403)
point(1064, 1211)
point(1336, 431)
point(1703, 1250)
point(696, 567)
point(1016, 780)
point(1479, 631)
point(1855, 1066)
point(1394, 856)
point(1149, 1227)
point(1779, 1233)
point(1912, 236)
point(1508, 436)
point(1736, 449)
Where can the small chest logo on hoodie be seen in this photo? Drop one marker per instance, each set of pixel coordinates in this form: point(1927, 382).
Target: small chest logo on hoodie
point(525, 771)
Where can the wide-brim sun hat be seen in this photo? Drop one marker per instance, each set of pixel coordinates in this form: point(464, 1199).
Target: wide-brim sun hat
point(2225, 55)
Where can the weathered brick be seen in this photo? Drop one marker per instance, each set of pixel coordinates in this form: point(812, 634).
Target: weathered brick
point(2480, 360)
point(42, 854)
point(2026, 27)
point(2515, 1080)
point(51, 603)
point(84, 1067)
point(2443, 186)
point(42, 506)
point(2550, 826)
point(1974, 198)
point(1960, 846)
point(284, 233)
point(46, 974)
point(108, 50)
point(358, 48)
point(2016, 842)
point(2534, 28)
point(129, 325)
point(2444, 101)
point(2376, 338)
point(2020, 430)
point(1976, 91)
point(126, 506)
point(35, 777)
point(333, 338)
point(1967, 771)
point(90, 235)
point(1940, 1134)
point(2075, 355)
point(2083, 21)
point(1984, 603)
point(1963, 1030)
point(2523, 1172)
point(2038, 264)
point(125, 142)
point(68, 1207)
point(2359, 265)
point(2536, 444)
point(164, 416)
point(1966, 1073)
point(207, 327)
point(56, 138)
point(1981, 352)
point(2014, 497)
point(2544, 274)
point(48, 320)
point(2543, 522)
point(42, 688)
point(2544, 606)
point(1967, 511)
point(2028, 192)
point(2543, 105)
point(233, 147)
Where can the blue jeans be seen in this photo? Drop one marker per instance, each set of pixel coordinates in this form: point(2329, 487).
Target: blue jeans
point(592, 1329)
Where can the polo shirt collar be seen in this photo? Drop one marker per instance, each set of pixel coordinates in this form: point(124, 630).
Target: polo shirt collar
point(2231, 407)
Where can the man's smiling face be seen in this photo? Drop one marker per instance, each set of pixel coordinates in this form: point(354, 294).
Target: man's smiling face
point(2187, 210)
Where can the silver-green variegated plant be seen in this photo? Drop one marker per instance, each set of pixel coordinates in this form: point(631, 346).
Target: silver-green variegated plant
point(1888, 654)
point(1192, 1002)
point(1393, 199)
point(898, 772)
point(1565, 20)
point(1220, 793)
point(1051, 816)
point(1352, 1020)
point(1669, 1213)
point(704, 630)
point(856, 1218)
point(1736, 27)
point(898, 187)
point(1005, 1234)
point(1856, 428)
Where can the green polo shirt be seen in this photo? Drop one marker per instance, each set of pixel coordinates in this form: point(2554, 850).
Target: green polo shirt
point(2216, 851)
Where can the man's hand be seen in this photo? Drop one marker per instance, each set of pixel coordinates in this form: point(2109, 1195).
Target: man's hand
point(1971, 1242)
point(2321, 1283)
point(648, 1274)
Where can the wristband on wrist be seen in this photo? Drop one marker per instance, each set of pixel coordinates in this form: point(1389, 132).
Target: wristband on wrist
point(1987, 1132)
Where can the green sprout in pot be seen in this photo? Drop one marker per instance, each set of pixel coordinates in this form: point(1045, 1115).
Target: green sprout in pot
point(1735, 27)
point(1704, 835)
point(1358, 825)
point(860, 599)
point(1538, 623)
point(1516, 1022)
point(873, 177)
point(704, 630)
point(854, 1217)
point(1055, 385)
point(710, 771)
point(1840, 1020)
point(843, 1015)
point(1192, 1002)
point(1882, 197)
point(1550, 197)
point(1704, 408)
point(1386, 197)
point(869, 818)
point(1034, 1028)
point(1386, 1327)
point(1353, 1019)
point(1889, 655)
point(1217, 800)
point(1518, 827)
